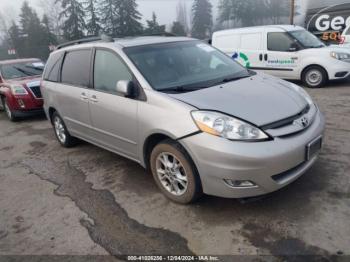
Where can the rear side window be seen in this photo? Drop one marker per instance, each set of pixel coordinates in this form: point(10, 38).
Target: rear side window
point(280, 42)
point(251, 41)
point(52, 69)
point(108, 70)
point(76, 68)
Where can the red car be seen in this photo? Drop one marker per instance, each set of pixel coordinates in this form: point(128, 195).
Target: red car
point(20, 87)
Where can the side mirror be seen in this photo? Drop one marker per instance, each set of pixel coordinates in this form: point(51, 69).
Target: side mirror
point(126, 88)
point(293, 47)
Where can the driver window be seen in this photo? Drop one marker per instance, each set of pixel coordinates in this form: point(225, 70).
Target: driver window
point(108, 70)
point(280, 42)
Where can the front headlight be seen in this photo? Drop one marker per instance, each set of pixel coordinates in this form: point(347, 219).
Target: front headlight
point(18, 90)
point(218, 124)
point(340, 56)
point(303, 93)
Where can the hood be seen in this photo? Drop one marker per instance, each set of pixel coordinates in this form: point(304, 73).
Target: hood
point(329, 49)
point(28, 81)
point(260, 99)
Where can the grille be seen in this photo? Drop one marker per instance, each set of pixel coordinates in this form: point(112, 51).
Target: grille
point(287, 121)
point(36, 91)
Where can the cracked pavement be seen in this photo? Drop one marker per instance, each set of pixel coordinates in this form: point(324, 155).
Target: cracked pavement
point(88, 201)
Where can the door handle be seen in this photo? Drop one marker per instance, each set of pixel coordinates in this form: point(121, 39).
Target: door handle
point(94, 99)
point(260, 57)
point(266, 57)
point(84, 96)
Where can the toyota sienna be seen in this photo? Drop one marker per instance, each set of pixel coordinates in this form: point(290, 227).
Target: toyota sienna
point(199, 121)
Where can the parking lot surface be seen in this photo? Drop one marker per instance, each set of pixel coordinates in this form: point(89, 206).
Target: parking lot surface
point(88, 201)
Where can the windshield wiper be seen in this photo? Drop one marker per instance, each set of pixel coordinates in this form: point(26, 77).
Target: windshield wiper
point(317, 46)
point(181, 89)
point(231, 79)
point(24, 71)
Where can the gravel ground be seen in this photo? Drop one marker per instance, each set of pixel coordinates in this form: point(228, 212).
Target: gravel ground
point(87, 201)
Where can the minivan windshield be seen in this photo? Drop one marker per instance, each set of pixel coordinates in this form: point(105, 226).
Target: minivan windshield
point(21, 70)
point(306, 39)
point(184, 66)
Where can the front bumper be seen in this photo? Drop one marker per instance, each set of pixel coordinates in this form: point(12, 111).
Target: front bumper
point(339, 70)
point(24, 103)
point(28, 113)
point(23, 106)
point(271, 165)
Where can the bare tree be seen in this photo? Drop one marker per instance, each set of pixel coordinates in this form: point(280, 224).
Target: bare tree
point(53, 10)
point(181, 13)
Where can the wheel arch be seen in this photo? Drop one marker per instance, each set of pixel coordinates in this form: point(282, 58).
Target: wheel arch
point(51, 111)
point(313, 65)
point(150, 142)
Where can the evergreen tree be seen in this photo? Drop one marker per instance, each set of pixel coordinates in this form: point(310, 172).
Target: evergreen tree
point(74, 24)
point(27, 18)
point(153, 27)
point(128, 18)
point(202, 19)
point(93, 26)
point(252, 12)
point(14, 37)
point(52, 9)
point(277, 10)
point(109, 14)
point(178, 29)
point(31, 32)
point(48, 37)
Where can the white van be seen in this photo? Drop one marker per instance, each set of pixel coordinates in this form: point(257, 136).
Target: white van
point(285, 51)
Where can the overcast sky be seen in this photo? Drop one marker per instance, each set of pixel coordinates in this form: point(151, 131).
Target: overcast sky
point(165, 9)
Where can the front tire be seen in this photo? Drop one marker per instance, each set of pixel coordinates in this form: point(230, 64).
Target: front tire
point(314, 77)
point(61, 132)
point(9, 113)
point(174, 173)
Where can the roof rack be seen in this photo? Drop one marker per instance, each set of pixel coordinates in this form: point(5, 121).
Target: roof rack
point(160, 34)
point(103, 38)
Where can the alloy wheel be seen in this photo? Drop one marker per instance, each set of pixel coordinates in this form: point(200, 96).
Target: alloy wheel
point(171, 174)
point(60, 130)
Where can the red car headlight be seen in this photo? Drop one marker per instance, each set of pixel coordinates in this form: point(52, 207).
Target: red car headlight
point(18, 90)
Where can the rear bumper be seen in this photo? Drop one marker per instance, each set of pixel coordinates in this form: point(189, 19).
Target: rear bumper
point(270, 165)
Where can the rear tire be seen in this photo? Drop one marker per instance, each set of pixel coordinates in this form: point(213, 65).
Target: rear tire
point(9, 113)
point(175, 173)
point(314, 77)
point(61, 132)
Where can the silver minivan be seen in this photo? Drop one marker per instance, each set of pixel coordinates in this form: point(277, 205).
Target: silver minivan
point(199, 121)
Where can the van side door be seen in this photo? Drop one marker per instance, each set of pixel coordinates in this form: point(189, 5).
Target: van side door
point(250, 53)
point(114, 118)
point(72, 92)
point(282, 56)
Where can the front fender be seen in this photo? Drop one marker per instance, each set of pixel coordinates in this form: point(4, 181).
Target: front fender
point(163, 115)
point(322, 61)
point(5, 92)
